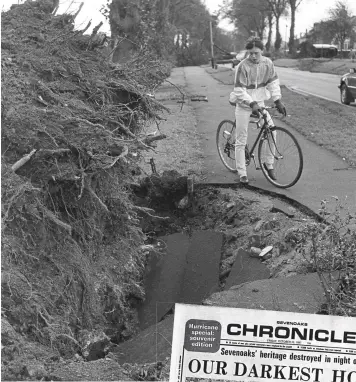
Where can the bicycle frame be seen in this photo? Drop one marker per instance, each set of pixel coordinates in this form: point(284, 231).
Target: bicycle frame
point(263, 130)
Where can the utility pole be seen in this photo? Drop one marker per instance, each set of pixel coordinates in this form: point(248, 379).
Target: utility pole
point(212, 44)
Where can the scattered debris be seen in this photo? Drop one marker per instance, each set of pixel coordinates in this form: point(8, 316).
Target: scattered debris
point(199, 98)
point(255, 252)
point(230, 205)
point(258, 226)
point(265, 251)
point(280, 207)
point(184, 202)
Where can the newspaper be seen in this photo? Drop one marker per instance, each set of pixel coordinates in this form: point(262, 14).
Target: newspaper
point(257, 345)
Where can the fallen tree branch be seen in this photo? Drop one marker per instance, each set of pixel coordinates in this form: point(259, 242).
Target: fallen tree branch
point(22, 161)
point(123, 154)
point(122, 127)
point(115, 46)
point(52, 138)
point(82, 185)
point(80, 8)
point(149, 139)
point(69, 337)
point(96, 197)
point(86, 28)
point(76, 119)
point(93, 34)
point(145, 146)
point(147, 211)
point(179, 92)
point(50, 215)
point(54, 152)
point(95, 30)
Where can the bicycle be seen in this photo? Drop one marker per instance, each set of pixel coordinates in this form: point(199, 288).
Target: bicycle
point(286, 151)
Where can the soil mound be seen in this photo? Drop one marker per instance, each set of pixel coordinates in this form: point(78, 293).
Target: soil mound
point(73, 128)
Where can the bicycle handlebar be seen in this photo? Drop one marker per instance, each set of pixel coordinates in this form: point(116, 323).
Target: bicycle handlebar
point(263, 108)
point(270, 107)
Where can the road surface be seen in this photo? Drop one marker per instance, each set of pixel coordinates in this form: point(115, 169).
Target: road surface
point(320, 84)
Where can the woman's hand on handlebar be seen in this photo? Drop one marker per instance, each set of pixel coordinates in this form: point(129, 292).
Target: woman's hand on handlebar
point(256, 109)
point(280, 107)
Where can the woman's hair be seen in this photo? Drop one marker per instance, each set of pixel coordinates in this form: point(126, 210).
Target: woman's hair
point(254, 42)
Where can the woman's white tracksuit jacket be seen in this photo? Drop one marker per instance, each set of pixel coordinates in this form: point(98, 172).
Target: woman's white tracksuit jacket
point(253, 82)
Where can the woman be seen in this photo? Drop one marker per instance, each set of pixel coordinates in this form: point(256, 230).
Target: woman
point(255, 81)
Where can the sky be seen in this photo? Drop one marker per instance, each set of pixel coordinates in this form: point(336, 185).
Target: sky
point(90, 11)
point(309, 12)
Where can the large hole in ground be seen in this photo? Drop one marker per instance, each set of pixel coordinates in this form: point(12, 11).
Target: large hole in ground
point(211, 241)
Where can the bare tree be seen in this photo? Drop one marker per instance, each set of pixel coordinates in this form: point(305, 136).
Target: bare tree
point(293, 4)
point(341, 22)
point(124, 19)
point(248, 16)
point(278, 8)
point(270, 27)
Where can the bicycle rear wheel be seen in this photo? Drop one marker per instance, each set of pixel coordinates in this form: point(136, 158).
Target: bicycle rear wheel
point(225, 142)
point(280, 148)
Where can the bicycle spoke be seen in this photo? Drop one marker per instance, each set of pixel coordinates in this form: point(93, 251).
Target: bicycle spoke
point(284, 154)
point(225, 140)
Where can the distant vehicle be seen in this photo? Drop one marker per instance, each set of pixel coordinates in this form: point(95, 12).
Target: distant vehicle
point(348, 87)
point(325, 50)
point(225, 58)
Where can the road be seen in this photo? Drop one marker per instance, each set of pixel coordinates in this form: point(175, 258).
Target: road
point(320, 84)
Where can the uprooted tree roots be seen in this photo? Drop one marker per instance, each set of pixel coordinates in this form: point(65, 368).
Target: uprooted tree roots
point(72, 132)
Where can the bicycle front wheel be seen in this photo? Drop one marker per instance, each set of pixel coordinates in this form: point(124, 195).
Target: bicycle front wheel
point(279, 148)
point(225, 142)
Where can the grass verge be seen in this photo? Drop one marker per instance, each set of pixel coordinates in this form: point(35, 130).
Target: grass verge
point(318, 65)
point(323, 122)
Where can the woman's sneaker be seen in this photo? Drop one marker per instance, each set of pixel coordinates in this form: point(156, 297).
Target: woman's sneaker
point(243, 179)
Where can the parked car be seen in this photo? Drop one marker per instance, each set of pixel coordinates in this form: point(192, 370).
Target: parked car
point(325, 50)
point(225, 58)
point(348, 87)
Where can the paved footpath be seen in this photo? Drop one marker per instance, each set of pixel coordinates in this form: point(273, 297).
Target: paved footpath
point(324, 175)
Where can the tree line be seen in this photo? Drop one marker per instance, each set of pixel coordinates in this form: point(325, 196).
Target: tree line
point(262, 17)
point(178, 29)
point(181, 28)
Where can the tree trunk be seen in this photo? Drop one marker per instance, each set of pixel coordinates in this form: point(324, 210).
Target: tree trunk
point(278, 42)
point(291, 44)
point(270, 26)
point(124, 22)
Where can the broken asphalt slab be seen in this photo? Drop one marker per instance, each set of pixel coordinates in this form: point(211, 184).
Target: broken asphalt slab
point(301, 293)
point(187, 272)
point(201, 274)
point(151, 345)
point(163, 279)
point(246, 269)
point(278, 206)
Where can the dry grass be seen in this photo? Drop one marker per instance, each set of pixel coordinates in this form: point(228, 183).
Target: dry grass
point(326, 123)
point(319, 65)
